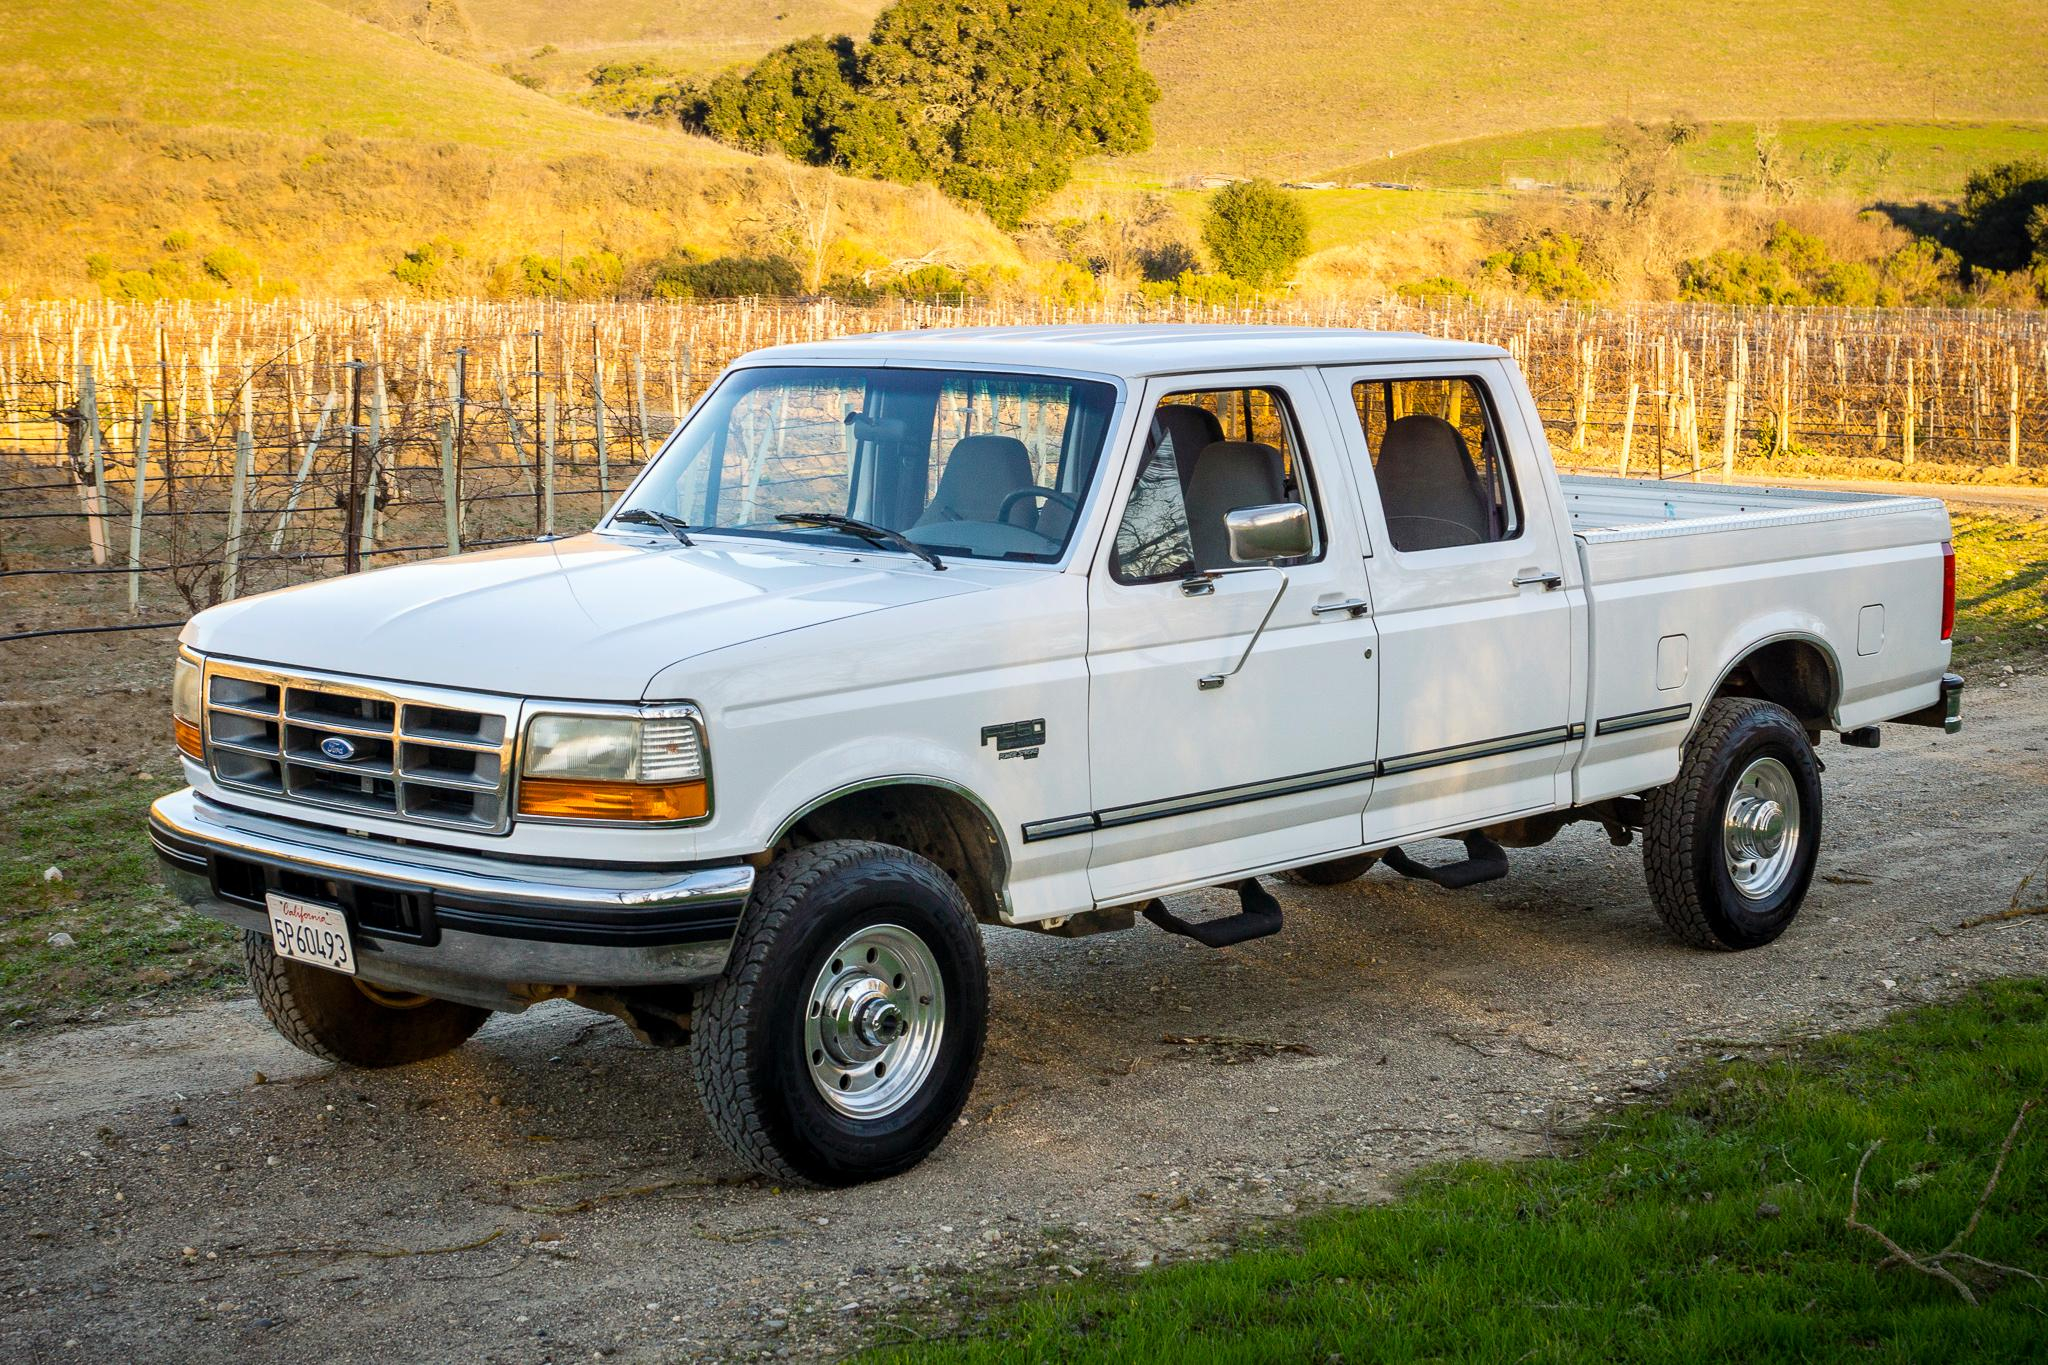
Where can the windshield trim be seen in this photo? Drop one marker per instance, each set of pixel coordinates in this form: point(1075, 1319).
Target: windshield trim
point(823, 537)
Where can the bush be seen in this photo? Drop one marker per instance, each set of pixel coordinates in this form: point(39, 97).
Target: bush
point(230, 265)
point(681, 275)
point(1256, 231)
point(1548, 265)
point(2004, 223)
point(992, 100)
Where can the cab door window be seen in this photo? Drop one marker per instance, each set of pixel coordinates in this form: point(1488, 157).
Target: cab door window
point(1208, 452)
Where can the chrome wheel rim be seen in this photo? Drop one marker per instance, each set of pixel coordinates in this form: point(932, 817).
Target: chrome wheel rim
point(1760, 828)
point(874, 1020)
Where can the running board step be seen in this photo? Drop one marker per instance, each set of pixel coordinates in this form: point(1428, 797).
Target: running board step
point(1258, 917)
point(1485, 861)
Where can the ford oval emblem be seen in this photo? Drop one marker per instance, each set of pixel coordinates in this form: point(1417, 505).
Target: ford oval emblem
point(337, 748)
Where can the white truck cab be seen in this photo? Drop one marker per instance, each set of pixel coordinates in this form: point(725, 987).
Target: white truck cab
point(906, 634)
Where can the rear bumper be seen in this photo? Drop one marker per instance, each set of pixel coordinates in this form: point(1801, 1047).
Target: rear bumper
point(1946, 714)
point(459, 925)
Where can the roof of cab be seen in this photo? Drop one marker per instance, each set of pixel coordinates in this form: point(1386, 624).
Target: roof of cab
point(1131, 350)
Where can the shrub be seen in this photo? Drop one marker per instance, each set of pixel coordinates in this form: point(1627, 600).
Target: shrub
point(992, 100)
point(230, 265)
point(1256, 231)
point(1548, 265)
point(681, 275)
point(424, 269)
point(178, 241)
point(2004, 224)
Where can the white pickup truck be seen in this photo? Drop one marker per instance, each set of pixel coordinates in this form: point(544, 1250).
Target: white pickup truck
point(904, 635)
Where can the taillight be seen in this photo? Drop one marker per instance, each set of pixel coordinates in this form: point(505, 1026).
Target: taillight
point(1948, 589)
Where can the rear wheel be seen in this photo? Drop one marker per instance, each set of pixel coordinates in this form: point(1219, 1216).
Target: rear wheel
point(1335, 872)
point(346, 1019)
point(1729, 847)
point(842, 1040)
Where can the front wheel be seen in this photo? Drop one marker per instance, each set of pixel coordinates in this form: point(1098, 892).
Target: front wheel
point(1729, 846)
point(345, 1019)
point(842, 1039)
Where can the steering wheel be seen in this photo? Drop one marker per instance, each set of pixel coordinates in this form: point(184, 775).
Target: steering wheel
point(1035, 491)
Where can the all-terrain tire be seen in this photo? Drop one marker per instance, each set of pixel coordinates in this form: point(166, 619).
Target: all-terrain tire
point(1685, 859)
point(333, 1017)
point(755, 1067)
point(1334, 872)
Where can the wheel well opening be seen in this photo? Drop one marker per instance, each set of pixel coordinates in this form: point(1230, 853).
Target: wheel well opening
point(932, 822)
point(1796, 674)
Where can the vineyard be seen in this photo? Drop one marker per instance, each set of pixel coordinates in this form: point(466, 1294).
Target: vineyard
point(157, 459)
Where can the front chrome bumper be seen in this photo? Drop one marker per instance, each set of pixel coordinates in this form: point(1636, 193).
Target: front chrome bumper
point(459, 925)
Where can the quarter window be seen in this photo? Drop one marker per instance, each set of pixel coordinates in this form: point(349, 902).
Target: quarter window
point(1437, 461)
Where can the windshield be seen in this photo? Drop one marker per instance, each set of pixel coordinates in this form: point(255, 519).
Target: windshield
point(968, 463)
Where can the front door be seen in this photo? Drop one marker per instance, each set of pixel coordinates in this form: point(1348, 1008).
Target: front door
point(1473, 595)
point(1231, 707)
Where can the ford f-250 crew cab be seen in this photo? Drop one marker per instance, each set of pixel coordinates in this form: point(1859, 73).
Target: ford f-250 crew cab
point(903, 635)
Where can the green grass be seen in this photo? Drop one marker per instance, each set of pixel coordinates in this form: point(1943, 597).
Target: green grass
point(1298, 86)
point(1709, 1226)
point(2001, 587)
point(131, 938)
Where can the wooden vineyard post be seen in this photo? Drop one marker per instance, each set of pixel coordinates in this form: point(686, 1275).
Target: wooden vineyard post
point(2012, 419)
point(352, 511)
point(604, 477)
point(1628, 424)
point(1906, 426)
point(238, 494)
point(163, 399)
point(1728, 434)
point(137, 493)
point(96, 514)
point(291, 501)
point(451, 512)
point(547, 470)
point(543, 516)
point(461, 406)
point(640, 403)
point(369, 536)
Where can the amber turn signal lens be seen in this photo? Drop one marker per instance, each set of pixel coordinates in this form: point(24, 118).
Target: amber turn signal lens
point(578, 799)
point(188, 739)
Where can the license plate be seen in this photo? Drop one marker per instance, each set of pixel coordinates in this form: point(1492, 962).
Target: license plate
point(306, 932)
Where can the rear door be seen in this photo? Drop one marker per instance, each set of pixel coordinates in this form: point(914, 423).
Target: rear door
point(1472, 594)
point(1231, 715)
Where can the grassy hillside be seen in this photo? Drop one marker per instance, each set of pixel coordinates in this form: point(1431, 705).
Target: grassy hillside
point(1869, 159)
point(1341, 82)
point(321, 147)
point(560, 43)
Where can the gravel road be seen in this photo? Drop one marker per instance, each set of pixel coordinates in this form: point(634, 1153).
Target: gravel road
point(188, 1188)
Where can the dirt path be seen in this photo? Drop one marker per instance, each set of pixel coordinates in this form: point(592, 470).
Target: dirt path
point(1142, 1097)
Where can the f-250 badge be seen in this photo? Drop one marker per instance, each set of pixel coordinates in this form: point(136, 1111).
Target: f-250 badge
point(1015, 739)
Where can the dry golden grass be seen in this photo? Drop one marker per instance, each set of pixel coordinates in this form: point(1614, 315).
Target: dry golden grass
point(1340, 82)
point(323, 146)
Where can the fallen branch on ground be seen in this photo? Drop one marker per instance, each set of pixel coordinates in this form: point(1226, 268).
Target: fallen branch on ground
point(1934, 1265)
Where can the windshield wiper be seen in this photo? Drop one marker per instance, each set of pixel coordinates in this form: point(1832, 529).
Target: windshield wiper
point(866, 530)
point(647, 516)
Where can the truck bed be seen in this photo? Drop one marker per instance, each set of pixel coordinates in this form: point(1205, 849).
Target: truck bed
point(1608, 509)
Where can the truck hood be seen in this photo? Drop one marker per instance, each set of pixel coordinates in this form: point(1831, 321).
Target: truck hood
point(589, 618)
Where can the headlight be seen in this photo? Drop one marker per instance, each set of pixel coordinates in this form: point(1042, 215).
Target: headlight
point(647, 766)
point(186, 684)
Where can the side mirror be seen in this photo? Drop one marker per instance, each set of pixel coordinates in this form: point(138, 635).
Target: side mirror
point(1260, 535)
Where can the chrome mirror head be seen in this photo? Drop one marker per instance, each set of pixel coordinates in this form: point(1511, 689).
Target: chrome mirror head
point(1260, 535)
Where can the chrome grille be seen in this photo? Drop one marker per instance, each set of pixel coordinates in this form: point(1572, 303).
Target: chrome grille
point(423, 755)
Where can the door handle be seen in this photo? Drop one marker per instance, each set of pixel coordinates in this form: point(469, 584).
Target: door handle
point(1551, 581)
point(1350, 606)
